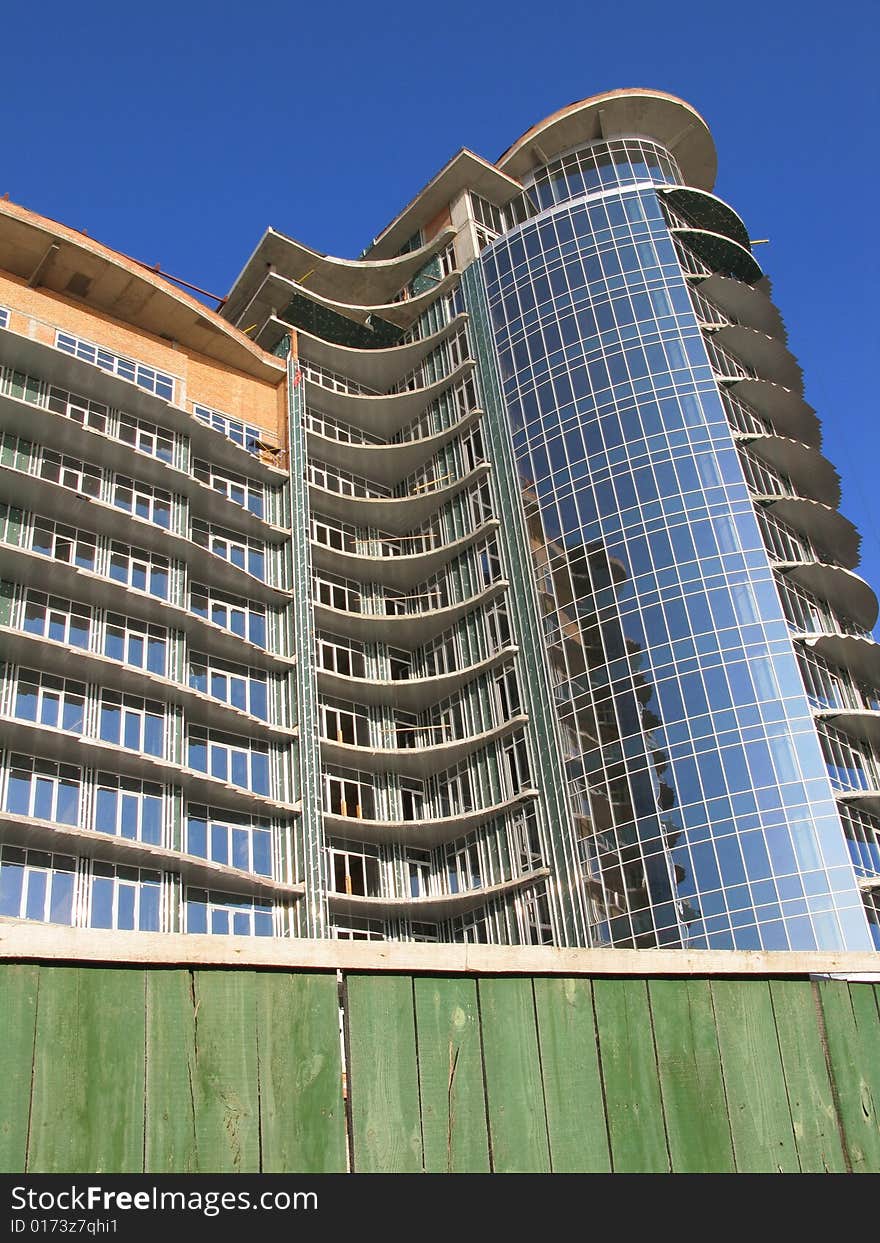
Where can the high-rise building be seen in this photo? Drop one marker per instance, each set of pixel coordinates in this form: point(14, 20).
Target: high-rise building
point(490, 586)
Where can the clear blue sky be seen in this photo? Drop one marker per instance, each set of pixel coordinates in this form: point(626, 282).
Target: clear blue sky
point(177, 132)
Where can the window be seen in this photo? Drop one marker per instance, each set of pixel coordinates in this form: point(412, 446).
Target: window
point(237, 488)
point(63, 543)
point(418, 863)
point(36, 885)
point(348, 793)
point(4, 317)
point(137, 643)
point(131, 722)
point(222, 913)
point(247, 554)
point(125, 898)
point(251, 438)
point(139, 373)
point(240, 761)
point(229, 838)
point(81, 477)
point(43, 698)
point(146, 437)
point(355, 871)
point(339, 655)
point(142, 500)
point(242, 617)
point(129, 808)
point(52, 617)
point(236, 685)
point(81, 410)
point(137, 568)
point(43, 789)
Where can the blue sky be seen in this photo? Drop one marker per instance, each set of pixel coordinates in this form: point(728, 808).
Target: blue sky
point(178, 132)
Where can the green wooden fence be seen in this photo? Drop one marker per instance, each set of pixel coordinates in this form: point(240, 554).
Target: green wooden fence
point(224, 1069)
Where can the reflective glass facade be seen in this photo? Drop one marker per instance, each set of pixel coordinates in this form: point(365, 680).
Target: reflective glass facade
point(701, 800)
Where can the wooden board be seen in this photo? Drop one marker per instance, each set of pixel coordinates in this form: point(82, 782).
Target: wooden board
point(302, 1113)
point(810, 1098)
point(691, 1085)
point(383, 1075)
point(225, 1087)
point(514, 1089)
point(19, 983)
point(171, 1142)
point(88, 1096)
point(854, 1055)
point(630, 1077)
point(760, 1120)
point(454, 1124)
point(572, 1081)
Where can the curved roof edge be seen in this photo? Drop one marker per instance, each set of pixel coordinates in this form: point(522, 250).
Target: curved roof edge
point(637, 110)
point(49, 254)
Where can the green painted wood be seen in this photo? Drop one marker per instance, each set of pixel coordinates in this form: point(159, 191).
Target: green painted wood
point(514, 1089)
point(19, 983)
point(572, 1079)
point(87, 1113)
point(225, 1086)
point(630, 1076)
point(754, 1080)
point(383, 1074)
point(810, 1098)
point(848, 1054)
point(454, 1126)
point(691, 1084)
point(302, 1113)
point(170, 1139)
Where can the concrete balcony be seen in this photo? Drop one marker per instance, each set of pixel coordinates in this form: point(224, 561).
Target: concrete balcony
point(419, 761)
point(412, 694)
point(745, 304)
point(425, 833)
point(402, 572)
point(382, 415)
point(376, 369)
point(810, 472)
point(395, 515)
point(388, 463)
point(441, 906)
point(720, 253)
point(784, 409)
point(765, 355)
point(707, 211)
point(861, 657)
point(822, 525)
point(409, 630)
point(845, 590)
point(861, 723)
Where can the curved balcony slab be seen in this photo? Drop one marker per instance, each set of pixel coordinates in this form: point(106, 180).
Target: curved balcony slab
point(394, 515)
point(376, 369)
point(386, 414)
point(48, 835)
point(409, 630)
point(54, 366)
point(843, 589)
point(424, 833)
point(49, 656)
point(766, 355)
point(707, 211)
point(443, 906)
point(861, 723)
point(820, 523)
point(365, 282)
point(411, 694)
point(860, 656)
point(869, 883)
point(389, 463)
point(745, 304)
point(70, 748)
point(402, 572)
point(813, 474)
point(416, 761)
point(621, 113)
point(721, 254)
point(46, 499)
point(868, 799)
point(31, 569)
point(784, 409)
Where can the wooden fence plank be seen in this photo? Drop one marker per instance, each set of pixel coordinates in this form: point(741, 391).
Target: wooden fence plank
point(754, 1080)
point(572, 1080)
point(810, 1098)
point(383, 1074)
point(225, 1085)
point(849, 1057)
point(171, 1144)
point(88, 1096)
point(302, 1113)
point(694, 1104)
point(514, 1091)
point(630, 1077)
point(450, 1058)
point(19, 983)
